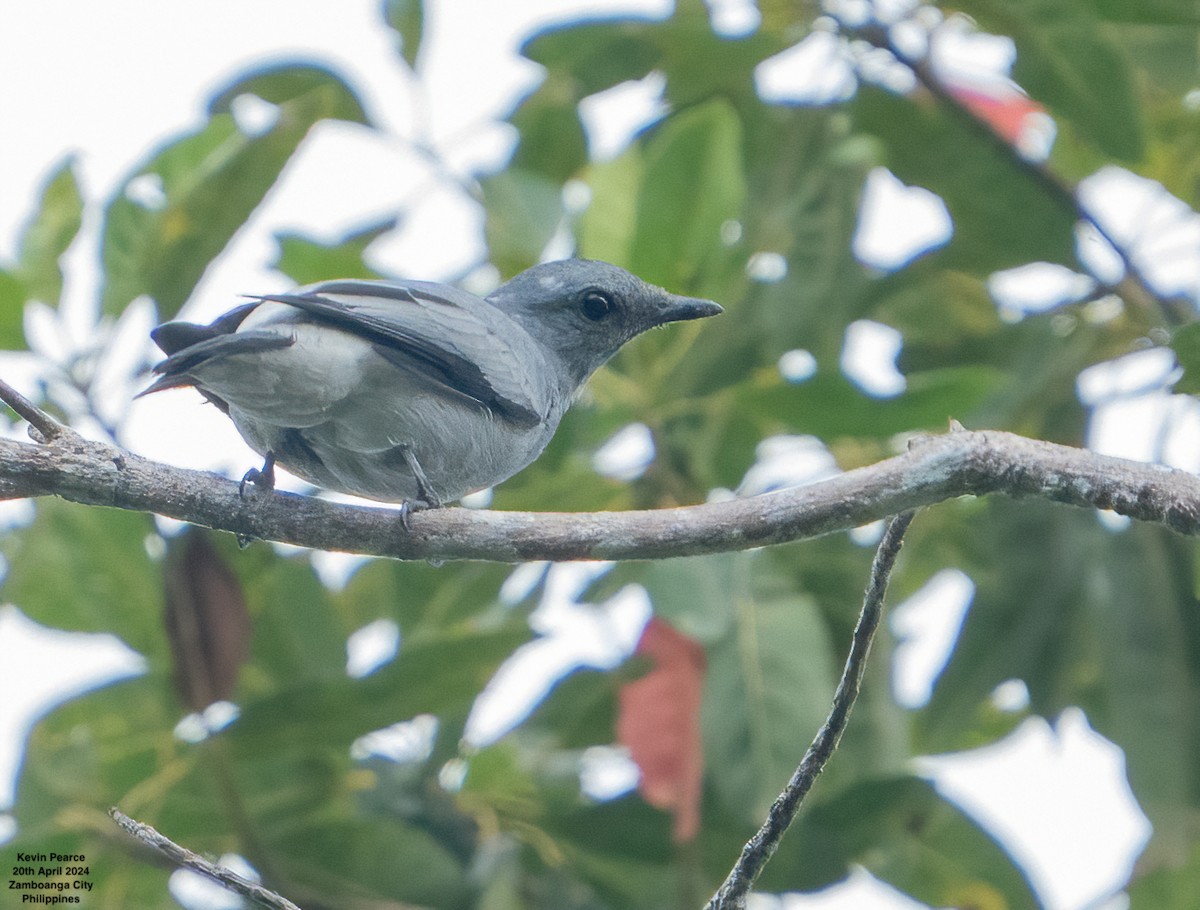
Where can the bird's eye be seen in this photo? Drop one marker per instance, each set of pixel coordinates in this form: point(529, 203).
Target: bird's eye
point(596, 305)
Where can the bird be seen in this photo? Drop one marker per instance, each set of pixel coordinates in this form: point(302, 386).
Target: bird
point(412, 392)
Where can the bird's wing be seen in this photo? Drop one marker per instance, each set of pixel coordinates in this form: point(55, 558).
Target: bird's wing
point(445, 335)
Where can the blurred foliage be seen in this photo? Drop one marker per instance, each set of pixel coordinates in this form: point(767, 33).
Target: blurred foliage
point(719, 186)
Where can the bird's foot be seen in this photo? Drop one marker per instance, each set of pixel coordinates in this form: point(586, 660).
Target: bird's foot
point(411, 506)
point(427, 498)
point(263, 478)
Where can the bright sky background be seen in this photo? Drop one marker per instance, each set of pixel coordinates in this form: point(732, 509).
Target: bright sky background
point(110, 80)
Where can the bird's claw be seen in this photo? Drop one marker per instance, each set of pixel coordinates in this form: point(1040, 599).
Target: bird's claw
point(263, 478)
point(411, 506)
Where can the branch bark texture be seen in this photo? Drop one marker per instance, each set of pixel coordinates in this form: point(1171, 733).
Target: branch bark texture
point(933, 470)
point(186, 859)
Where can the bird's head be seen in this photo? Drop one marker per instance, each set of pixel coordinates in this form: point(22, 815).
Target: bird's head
point(582, 310)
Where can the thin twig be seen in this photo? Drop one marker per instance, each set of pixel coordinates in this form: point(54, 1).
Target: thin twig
point(39, 420)
point(760, 848)
point(186, 859)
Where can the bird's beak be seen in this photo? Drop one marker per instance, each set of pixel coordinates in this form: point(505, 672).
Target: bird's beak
point(677, 309)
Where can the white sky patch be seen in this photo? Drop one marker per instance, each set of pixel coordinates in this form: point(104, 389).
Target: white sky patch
point(787, 461)
point(1011, 696)
point(372, 646)
point(797, 365)
point(815, 71)
point(859, 891)
point(573, 636)
point(199, 725)
point(767, 267)
point(253, 115)
point(911, 36)
point(897, 223)
point(1037, 287)
point(1131, 375)
point(926, 627)
point(613, 117)
point(1097, 254)
point(576, 196)
point(1155, 427)
point(1135, 416)
point(867, 535)
point(869, 358)
point(335, 568)
point(480, 499)
point(407, 741)
point(879, 67)
point(147, 191)
point(606, 772)
point(966, 56)
point(627, 454)
point(1058, 799)
point(197, 892)
point(733, 18)
point(1160, 232)
point(521, 581)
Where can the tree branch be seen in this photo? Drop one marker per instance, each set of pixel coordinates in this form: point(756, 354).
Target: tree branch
point(933, 470)
point(186, 859)
point(40, 422)
point(759, 849)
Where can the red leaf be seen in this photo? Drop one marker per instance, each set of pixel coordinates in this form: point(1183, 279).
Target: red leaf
point(659, 722)
point(206, 618)
point(1013, 116)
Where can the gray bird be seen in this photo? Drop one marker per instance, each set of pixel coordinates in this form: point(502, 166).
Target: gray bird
point(412, 391)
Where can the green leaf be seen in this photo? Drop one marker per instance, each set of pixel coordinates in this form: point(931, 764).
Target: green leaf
point(693, 184)
point(1148, 12)
point(297, 633)
point(301, 89)
point(86, 569)
point(178, 211)
point(101, 749)
point(523, 210)
point(13, 295)
point(766, 694)
point(1186, 345)
point(693, 594)
point(1070, 63)
point(597, 55)
point(1116, 635)
point(904, 833)
point(427, 602)
point(307, 261)
point(551, 140)
point(47, 236)
point(437, 677)
point(1002, 217)
point(1166, 61)
point(622, 848)
point(701, 65)
point(607, 226)
point(830, 406)
point(374, 860)
point(407, 19)
point(1168, 886)
point(580, 711)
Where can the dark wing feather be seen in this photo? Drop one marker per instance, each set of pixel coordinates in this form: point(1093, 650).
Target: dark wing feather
point(172, 337)
point(175, 370)
point(449, 336)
